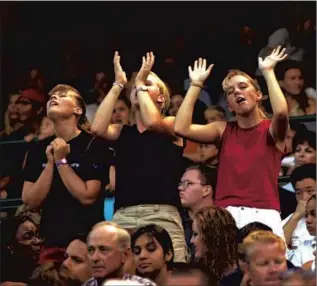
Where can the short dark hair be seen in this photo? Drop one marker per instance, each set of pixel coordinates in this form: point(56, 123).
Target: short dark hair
point(80, 236)
point(208, 174)
point(157, 232)
point(303, 172)
point(305, 136)
point(250, 227)
point(126, 101)
point(284, 66)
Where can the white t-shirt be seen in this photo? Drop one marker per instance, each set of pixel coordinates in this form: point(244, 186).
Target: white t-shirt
point(299, 236)
point(304, 252)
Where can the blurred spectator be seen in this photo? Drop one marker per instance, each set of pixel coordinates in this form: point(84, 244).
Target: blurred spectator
point(50, 274)
point(110, 264)
point(153, 253)
point(214, 238)
point(46, 128)
point(300, 101)
point(298, 277)
point(101, 88)
point(215, 113)
point(305, 251)
point(21, 247)
point(265, 259)
point(76, 259)
point(11, 117)
point(121, 112)
point(281, 38)
point(303, 180)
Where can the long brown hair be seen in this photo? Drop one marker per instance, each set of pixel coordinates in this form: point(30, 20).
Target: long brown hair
point(219, 231)
point(234, 72)
point(82, 122)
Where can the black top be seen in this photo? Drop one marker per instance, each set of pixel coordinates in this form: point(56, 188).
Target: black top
point(148, 168)
point(63, 216)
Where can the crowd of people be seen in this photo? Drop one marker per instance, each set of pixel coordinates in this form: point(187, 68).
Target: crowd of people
point(195, 196)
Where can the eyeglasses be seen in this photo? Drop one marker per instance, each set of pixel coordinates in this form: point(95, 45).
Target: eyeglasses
point(186, 183)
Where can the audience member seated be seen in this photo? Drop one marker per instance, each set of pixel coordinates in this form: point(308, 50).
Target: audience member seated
point(214, 239)
point(109, 248)
point(215, 113)
point(153, 253)
point(265, 256)
point(20, 248)
point(298, 277)
point(52, 274)
point(305, 251)
point(304, 181)
point(291, 79)
point(76, 259)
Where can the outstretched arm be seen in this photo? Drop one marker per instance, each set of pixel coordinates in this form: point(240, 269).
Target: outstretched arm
point(183, 122)
point(101, 123)
point(279, 125)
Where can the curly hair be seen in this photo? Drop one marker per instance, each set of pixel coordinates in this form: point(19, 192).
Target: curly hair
point(219, 231)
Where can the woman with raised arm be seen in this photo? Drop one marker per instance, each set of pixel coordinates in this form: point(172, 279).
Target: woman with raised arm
point(251, 147)
point(148, 155)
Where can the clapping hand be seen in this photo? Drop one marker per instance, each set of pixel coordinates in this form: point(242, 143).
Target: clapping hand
point(147, 64)
point(120, 76)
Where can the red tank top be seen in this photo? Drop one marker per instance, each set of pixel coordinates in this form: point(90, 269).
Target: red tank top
point(249, 165)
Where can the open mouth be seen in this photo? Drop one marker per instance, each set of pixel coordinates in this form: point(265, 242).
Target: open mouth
point(240, 100)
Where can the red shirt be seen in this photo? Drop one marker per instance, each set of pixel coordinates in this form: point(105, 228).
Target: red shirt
point(249, 165)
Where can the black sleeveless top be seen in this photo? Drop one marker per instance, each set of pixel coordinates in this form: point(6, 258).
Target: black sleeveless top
point(148, 168)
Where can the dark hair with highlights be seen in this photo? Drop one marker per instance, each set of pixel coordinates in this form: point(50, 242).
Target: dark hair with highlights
point(83, 123)
point(218, 230)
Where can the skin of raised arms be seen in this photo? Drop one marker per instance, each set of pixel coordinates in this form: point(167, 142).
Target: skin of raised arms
point(183, 123)
point(280, 118)
point(101, 124)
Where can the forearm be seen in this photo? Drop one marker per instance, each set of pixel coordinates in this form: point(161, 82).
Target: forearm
point(150, 114)
point(289, 228)
point(184, 116)
point(104, 112)
point(277, 98)
point(36, 194)
point(74, 184)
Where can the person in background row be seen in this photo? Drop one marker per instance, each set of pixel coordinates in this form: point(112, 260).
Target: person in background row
point(65, 173)
point(140, 165)
point(251, 147)
point(215, 113)
point(20, 248)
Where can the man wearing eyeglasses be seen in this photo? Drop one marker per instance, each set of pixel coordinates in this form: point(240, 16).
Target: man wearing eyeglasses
point(196, 190)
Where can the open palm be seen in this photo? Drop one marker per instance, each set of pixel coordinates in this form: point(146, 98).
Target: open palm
point(200, 72)
point(270, 61)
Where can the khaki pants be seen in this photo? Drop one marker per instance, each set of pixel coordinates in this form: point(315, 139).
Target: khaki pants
point(165, 216)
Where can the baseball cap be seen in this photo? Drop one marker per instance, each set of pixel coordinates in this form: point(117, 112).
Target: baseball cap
point(32, 94)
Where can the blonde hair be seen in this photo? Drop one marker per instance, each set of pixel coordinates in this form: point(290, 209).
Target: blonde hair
point(262, 237)
point(164, 89)
point(234, 72)
point(83, 123)
point(123, 237)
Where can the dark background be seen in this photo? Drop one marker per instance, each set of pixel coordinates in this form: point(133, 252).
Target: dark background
point(70, 41)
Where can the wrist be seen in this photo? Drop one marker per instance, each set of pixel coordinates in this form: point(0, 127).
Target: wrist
point(61, 162)
point(116, 83)
point(139, 84)
point(197, 83)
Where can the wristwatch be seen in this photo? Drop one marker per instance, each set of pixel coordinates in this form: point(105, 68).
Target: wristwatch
point(61, 162)
point(142, 88)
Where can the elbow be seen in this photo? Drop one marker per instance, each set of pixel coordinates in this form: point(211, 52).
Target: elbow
point(95, 130)
point(154, 123)
point(87, 201)
point(179, 131)
point(29, 202)
point(282, 113)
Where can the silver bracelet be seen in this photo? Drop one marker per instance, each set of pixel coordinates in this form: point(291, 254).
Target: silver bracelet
point(118, 84)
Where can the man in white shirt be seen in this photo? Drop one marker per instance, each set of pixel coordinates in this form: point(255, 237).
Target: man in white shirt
point(303, 180)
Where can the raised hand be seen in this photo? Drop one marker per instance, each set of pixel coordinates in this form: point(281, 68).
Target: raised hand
point(120, 76)
point(270, 61)
point(49, 154)
point(200, 72)
point(147, 64)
